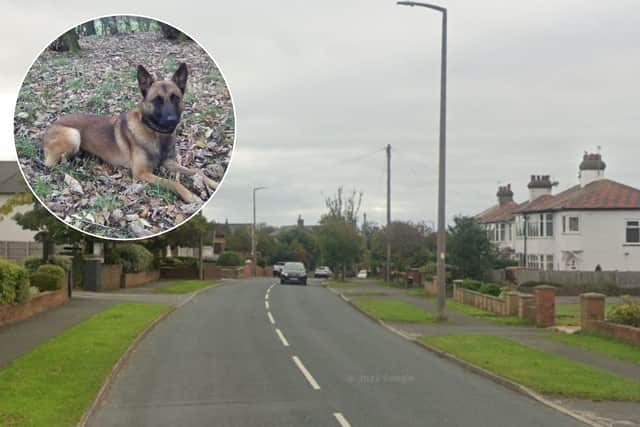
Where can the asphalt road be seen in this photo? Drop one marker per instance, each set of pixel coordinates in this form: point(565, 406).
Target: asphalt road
point(240, 355)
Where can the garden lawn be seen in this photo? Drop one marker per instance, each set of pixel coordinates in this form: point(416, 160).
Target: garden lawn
point(600, 344)
point(569, 314)
point(394, 310)
point(536, 369)
point(55, 383)
point(185, 286)
point(486, 315)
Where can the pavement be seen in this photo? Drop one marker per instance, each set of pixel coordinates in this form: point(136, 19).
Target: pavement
point(19, 338)
point(259, 354)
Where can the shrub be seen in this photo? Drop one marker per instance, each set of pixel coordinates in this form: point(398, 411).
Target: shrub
point(472, 285)
point(48, 277)
point(626, 313)
point(491, 289)
point(133, 257)
point(32, 263)
point(230, 259)
point(14, 282)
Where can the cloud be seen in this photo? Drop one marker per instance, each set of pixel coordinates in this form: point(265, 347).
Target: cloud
point(321, 88)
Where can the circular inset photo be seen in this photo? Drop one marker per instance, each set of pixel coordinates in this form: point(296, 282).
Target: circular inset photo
point(124, 127)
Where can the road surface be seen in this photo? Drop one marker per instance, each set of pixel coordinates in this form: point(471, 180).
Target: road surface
point(253, 354)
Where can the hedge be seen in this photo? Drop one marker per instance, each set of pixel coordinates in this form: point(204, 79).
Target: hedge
point(133, 257)
point(48, 277)
point(32, 263)
point(14, 282)
point(484, 288)
point(230, 259)
point(626, 313)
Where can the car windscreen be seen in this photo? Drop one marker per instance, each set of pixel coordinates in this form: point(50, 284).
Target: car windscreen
point(294, 267)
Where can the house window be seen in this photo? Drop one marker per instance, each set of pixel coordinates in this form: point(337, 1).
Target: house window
point(533, 228)
point(574, 224)
point(633, 231)
point(533, 262)
point(549, 265)
point(570, 224)
point(548, 225)
point(503, 232)
point(519, 228)
point(509, 232)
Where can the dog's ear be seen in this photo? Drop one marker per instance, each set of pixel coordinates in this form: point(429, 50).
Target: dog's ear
point(180, 77)
point(145, 80)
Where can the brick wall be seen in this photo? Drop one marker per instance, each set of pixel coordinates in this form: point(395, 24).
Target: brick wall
point(110, 276)
point(39, 303)
point(485, 302)
point(614, 330)
point(130, 280)
point(179, 272)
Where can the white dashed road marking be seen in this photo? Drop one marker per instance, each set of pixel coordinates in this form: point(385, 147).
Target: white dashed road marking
point(266, 305)
point(341, 419)
point(282, 338)
point(273, 322)
point(314, 384)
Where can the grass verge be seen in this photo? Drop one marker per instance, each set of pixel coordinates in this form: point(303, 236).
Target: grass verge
point(343, 285)
point(418, 292)
point(53, 384)
point(486, 315)
point(364, 294)
point(538, 370)
point(185, 286)
point(393, 310)
point(600, 344)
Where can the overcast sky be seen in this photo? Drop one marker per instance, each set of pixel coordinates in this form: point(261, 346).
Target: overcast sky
point(321, 87)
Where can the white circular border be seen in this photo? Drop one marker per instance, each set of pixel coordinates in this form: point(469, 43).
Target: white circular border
point(201, 208)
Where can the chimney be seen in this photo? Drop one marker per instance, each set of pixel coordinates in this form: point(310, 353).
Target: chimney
point(504, 194)
point(540, 185)
point(591, 168)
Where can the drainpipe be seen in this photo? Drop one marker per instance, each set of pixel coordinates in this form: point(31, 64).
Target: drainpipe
point(525, 232)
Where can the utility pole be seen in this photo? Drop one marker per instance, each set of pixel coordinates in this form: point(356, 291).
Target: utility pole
point(388, 267)
point(253, 231)
point(441, 280)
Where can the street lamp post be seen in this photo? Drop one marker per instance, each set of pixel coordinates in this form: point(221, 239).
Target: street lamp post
point(253, 230)
point(442, 155)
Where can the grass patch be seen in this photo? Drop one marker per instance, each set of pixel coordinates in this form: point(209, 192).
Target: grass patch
point(485, 315)
point(184, 286)
point(364, 294)
point(53, 384)
point(156, 190)
point(393, 310)
point(539, 370)
point(600, 344)
point(343, 285)
point(418, 292)
point(42, 187)
point(27, 148)
point(569, 314)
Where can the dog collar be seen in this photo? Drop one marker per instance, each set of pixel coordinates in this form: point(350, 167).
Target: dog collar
point(154, 127)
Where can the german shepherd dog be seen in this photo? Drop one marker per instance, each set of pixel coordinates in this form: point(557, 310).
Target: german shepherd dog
point(142, 139)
